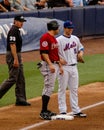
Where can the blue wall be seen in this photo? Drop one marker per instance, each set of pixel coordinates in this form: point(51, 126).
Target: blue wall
point(88, 20)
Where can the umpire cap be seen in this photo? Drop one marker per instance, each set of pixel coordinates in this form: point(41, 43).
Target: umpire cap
point(19, 18)
point(53, 25)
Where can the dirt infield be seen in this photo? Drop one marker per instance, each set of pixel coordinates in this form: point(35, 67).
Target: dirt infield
point(92, 95)
point(16, 118)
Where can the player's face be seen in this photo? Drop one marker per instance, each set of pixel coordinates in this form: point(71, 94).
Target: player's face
point(56, 31)
point(18, 24)
point(68, 31)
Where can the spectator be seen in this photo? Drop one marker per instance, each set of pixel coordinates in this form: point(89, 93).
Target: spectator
point(77, 3)
point(16, 5)
point(101, 2)
point(93, 2)
point(41, 4)
point(57, 3)
point(85, 2)
point(5, 6)
point(69, 3)
point(28, 5)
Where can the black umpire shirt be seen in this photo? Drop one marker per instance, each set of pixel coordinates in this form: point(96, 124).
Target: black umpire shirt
point(14, 37)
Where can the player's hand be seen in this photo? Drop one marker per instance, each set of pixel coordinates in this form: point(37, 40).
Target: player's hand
point(63, 62)
point(61, 70)
point(80, 58)
point(52, 68)
point(16, 63)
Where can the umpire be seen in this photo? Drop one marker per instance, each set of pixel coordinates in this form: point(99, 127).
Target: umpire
point(14, 62)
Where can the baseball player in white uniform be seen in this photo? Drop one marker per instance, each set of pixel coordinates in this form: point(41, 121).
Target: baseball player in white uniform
point(70, 51)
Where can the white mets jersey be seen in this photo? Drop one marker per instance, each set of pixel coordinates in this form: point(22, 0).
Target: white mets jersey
point(69, 48)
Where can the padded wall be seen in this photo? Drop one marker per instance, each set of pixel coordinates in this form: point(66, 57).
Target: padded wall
point(89, 20)
point(77, 19)
point(30, 14)
point(45, 13)
point(61, 13)
point(13, 14)
point(99, 20)
point(3, 15)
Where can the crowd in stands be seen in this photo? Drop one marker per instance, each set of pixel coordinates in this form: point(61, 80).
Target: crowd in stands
point(31, 5)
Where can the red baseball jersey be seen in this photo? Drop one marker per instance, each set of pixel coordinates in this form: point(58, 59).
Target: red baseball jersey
point(49, 44)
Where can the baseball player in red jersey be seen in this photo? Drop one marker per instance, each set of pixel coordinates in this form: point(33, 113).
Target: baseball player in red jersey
point(49, 66)
point(70, 51)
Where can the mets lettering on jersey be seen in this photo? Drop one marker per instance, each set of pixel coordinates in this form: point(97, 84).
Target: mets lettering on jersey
point(68, 46)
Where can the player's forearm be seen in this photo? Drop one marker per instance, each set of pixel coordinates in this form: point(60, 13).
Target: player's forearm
point(61, 68)
point(46, 58)
point(51, 66)
point(13, 51)
point(62, 61)
point(81, 53)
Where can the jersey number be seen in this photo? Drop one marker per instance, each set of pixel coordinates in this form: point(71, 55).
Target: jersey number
point(12, 38)
point(75, 50)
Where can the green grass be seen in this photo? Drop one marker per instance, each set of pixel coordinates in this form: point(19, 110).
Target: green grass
point(91, 71)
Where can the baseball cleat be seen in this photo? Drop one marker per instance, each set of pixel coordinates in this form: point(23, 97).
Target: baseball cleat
point(46, 115)
point(80, 114)
point(63, 113)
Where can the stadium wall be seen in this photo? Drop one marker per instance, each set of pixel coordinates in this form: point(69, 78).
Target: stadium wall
point(88, 20)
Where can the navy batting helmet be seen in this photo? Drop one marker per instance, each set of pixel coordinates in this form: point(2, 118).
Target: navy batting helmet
point(53, 25)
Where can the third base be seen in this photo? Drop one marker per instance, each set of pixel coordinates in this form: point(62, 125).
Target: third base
point(62, 117)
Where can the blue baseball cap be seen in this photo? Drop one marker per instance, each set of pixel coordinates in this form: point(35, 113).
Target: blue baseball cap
point(68, 24)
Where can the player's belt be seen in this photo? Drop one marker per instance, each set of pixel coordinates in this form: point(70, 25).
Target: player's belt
point(72, 64)
point(55, 62)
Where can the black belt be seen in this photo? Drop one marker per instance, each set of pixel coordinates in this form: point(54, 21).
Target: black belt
point(55, 62)
point(72, 64)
